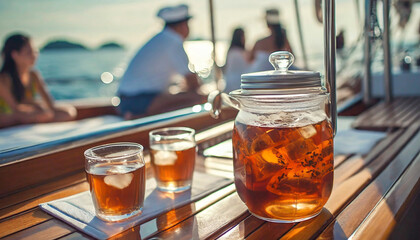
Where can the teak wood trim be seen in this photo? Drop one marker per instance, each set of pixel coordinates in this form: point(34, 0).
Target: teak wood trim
point(401, 113)
point(383, 219)
point(68, 158)
point(350, 218)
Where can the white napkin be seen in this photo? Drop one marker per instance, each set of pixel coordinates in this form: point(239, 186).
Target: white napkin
point(223, 149)
point(353, 141)
point(78, 210)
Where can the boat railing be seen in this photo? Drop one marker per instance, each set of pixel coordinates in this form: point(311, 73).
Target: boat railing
point(48, 160)
point(24, 147)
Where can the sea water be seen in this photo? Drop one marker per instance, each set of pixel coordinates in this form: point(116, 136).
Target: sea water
point(76, 74)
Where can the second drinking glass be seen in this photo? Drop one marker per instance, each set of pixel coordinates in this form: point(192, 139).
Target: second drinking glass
point(173, 153)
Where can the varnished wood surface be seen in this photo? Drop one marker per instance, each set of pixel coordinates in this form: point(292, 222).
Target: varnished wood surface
point(402, 112)
point(88, 111)
point(371, 193)
point(67, 159)
point(348, 221)
point(389, 209)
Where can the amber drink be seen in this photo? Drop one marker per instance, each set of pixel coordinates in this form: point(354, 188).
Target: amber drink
point(116, 176)
point(283, 173)
point(282, 140)
point(173, 153)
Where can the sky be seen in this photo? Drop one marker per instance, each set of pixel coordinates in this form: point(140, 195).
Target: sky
point(132, 22)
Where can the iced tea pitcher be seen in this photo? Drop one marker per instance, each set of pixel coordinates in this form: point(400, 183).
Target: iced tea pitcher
point(282, 141)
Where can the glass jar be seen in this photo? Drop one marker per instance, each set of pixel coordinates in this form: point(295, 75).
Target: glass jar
point(282, 142)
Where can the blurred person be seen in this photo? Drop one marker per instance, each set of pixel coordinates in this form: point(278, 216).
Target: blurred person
point(236, 61)
point(340, 40)
point(161, 61)
point(20, 86)
point(276, 41)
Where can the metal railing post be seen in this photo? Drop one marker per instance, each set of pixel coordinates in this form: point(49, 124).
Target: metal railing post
point(367, 96)
point(387, 54)
point(329, 57)
point(302, 44)
point(218, 72)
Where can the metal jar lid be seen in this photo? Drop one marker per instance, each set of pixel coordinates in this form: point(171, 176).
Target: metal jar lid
point(280, 78)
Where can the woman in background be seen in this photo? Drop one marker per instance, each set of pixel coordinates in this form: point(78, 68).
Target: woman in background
point(276, 41)
point(236, 61)
point(20, 85)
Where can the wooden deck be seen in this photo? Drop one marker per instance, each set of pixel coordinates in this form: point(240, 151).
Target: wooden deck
point(401, 113)
point(370, 198)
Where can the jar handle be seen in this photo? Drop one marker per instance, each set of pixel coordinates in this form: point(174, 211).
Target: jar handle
point(217, 99)
point(281, 60)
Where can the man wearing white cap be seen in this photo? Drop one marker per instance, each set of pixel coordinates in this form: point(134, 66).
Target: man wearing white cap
point(144, 87)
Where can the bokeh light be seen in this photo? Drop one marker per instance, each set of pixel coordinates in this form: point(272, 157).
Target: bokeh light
point(196, 108)
point(207, 106)
point(107, 77)
point(115, 101)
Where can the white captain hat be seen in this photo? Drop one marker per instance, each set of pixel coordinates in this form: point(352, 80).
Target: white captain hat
point(174, 14)
point(272, 16)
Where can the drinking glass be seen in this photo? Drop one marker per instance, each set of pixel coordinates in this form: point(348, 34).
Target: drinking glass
point(173, 153)
point(116, 176)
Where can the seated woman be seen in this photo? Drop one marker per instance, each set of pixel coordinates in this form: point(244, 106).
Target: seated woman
point(236, 61)
point(20, 84)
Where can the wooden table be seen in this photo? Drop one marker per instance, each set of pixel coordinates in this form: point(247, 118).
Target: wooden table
point(371, 194)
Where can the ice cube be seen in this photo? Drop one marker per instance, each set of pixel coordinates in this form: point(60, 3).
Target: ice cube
point(117, 169)
point(164, 158)
point(275, 135)
point(119, 181)
point(266, 163)
point(291, 135)
point(273, 155)
point(307, 131)
point(299, 149)
point(250, 136)
point(261, 142)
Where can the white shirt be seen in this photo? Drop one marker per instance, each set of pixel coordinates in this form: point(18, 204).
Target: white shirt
point(235, 66)
point(154, 66)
